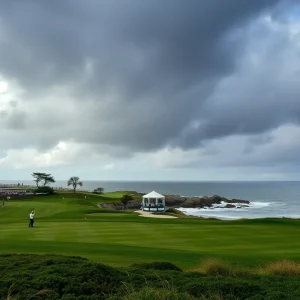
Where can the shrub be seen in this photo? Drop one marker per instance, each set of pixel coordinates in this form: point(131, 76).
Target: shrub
point(98, 191)
point(45, 190)
point(126, 199)
point(39, 294)
point(283, 268)
point(75, 278)
point(175, 211)
point(214, 267)
point(149, 293)
point(157, 265)
point(63, 275)
point(167, 291)
point(227, 288)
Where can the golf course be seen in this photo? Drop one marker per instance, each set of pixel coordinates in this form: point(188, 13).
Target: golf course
point(70, 224)
point(77, 250)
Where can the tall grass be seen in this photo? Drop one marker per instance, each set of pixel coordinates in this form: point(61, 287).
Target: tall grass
point(150, 293)
point(167, 291)
point(37, 295)
point(282, 268)
point(217, 267)
point(214, 267)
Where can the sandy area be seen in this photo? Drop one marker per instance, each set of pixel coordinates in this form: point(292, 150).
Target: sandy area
point(151, 215)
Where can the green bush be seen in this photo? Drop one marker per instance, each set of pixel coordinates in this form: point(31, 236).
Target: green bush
point(174, 211)
point(54, 277)
point(45, 189)
point(75, 277)
point(149, 293)
point(98, 191)
point(157, 265)
point(229, 288)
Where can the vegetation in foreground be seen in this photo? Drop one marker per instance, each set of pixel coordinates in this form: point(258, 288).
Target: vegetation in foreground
point(57, 277)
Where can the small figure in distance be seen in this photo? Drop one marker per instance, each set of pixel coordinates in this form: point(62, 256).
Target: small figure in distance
point(2, 203)
point(31, 219)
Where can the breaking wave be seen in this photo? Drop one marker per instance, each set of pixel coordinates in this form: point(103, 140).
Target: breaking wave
point(256, 209)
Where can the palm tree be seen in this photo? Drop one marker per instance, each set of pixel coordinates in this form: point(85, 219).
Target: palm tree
point(74, 181)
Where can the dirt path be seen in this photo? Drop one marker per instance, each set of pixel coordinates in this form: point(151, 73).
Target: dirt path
point(151, 215)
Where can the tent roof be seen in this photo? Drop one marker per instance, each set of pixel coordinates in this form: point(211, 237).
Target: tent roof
point(153, 194)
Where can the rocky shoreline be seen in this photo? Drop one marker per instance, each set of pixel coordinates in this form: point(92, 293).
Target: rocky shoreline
point(176, 201)
point(204, 202)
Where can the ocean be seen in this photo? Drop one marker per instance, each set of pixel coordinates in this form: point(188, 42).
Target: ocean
point(268, 199)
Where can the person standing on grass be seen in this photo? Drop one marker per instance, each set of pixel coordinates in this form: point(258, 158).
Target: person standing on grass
point(31, 219)
point(2, 203)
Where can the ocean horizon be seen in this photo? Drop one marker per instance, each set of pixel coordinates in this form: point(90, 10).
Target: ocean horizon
point(268, 198)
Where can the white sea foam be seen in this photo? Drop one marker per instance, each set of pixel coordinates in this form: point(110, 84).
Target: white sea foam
point(256, 209)
point(257, 204)
point(200, 213)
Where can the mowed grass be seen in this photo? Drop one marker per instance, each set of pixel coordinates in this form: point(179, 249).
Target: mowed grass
point(123, 238)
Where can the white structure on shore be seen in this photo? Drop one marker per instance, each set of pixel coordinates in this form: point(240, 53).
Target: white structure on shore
point(153, 202)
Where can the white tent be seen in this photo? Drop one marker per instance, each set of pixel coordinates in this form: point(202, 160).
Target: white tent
point(153, 194)
point(153, 202)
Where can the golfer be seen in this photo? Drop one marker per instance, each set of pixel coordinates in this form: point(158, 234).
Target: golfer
point(31, 219)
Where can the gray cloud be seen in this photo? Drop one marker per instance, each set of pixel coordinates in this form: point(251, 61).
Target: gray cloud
point(135, 74)
point(261, 95)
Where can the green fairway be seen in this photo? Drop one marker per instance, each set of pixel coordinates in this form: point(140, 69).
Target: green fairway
point(123, 238)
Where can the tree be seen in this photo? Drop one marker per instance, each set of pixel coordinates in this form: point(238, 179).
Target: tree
point(48, 179)
point(98, 190)
point(126, 199)
point(74, 181)
point(37, 178)
point(42, 177)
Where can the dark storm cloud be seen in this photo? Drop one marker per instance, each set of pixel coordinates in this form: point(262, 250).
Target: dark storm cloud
point(161, 60)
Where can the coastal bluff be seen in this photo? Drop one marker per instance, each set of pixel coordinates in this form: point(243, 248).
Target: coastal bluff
point(176, 201)
point(202, 202)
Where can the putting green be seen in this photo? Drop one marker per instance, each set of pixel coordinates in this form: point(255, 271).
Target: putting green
point(121, 239)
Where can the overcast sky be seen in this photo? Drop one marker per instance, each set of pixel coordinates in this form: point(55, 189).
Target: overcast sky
point(150, 90)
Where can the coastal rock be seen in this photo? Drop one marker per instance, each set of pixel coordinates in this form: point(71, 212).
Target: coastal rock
point(201, 202)
point(107, 205)
point(174, 200)
point(134, 204)
point(230, 206)
point(237, 201)
point(117, 206)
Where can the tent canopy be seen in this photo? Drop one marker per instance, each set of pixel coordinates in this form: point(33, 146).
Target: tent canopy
point(153, 194)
